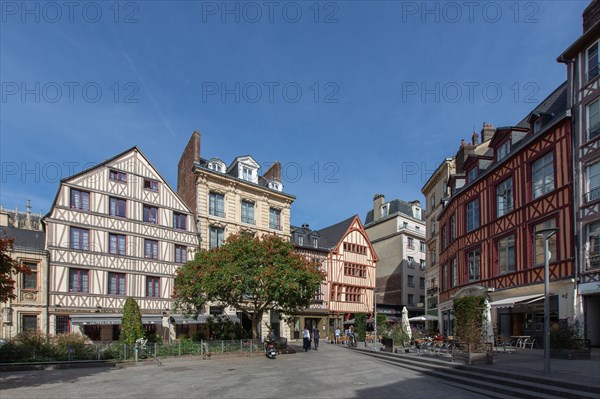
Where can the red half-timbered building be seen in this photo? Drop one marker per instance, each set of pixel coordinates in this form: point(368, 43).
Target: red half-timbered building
point(521, 184)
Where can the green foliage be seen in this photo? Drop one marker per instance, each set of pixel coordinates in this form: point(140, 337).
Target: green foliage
point(398, 333)
point(566, 336)
point(8, 269)
point(360, 326)
point(382, 326)
point(221, 327)
point(468, 317)
point(252, 275)
point(131, 325)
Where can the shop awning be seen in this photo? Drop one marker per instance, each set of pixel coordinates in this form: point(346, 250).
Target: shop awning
point(111, 319)
point(179, 319)
point(510, 302)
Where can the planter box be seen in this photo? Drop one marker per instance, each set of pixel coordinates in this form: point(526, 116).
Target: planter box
point(571, 354)
point(474, 357)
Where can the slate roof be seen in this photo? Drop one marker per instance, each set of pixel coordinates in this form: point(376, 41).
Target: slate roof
point(308, 234)
point(26, 240)
point(396, 206)
point(555, 104)
point(332, 235)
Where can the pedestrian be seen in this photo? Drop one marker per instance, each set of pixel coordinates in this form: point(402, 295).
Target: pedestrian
point(306, 338)
point(337, 335)
point(315, 337)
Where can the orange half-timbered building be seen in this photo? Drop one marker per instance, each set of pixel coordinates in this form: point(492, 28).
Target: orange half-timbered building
point(521, 185)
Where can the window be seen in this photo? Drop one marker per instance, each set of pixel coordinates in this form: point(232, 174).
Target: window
point(150, 249)
point(506, 254)
point(453, 228)
point(539, 242)
point(180, 253)
point(474, 262)
point(216, 205)
point(301, 240)
point(315, 242)
point(592, 182)
point(472, 175)
point(248, 212)
point(30, 280)
point(454, 272)
point(411, 244)
point(433, 256)
point(537, 125)
point(503, 151)
point(422, 246)
point(422, 264)
point(353, 294)
point(432, 202)
point(246, 173)
point(150, 214)
point(422, 283)
point(63, 325)
point(411, 262)
point(151, 185)
point(117, 207)
point(80, 200)
point(116, 284)
point(179, 221)
point(593, 236)
point(444, 277)
point(444, 237)
point(115, 175)
point(421, 298)
point(592, 62)
point(405, 225)
point(78, 280)
point(593, 120)
point(504, 197)
point(152, 287)
point(384, 210)
point(410, 281)
point(80, 239)
point(473, 215)
point(216, 237)
point(117, 244)
point(542, 172)
point(411, 299)
point(29, 322)
point(355, 270)
point(274, 219)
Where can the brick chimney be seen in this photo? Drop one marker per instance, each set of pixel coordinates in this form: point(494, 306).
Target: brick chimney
point(378, 200)
point(475, 138)
point(591, 15)
point(487, 132)
point(186, 179)
point(274, 172)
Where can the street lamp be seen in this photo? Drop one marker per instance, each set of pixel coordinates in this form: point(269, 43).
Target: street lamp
point(375, 319)
point(546, 234)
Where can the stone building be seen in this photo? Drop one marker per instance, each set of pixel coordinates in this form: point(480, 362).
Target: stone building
point(397, 232)
point(28, 311)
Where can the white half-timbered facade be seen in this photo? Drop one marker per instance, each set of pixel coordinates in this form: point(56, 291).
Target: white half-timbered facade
point(115, 230)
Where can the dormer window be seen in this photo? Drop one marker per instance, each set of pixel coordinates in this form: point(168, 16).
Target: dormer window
point(472, 175)
point(275, 185)
point(503, 150)
point(537, 125)
point(385, 210)
point(246, 173)
point(216, 165)
point(416, 212)
point(300, 240)
point(315, 242)
point(592, 62)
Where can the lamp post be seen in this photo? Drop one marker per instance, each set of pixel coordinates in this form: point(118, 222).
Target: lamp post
point(546, 234)
point(375, 319)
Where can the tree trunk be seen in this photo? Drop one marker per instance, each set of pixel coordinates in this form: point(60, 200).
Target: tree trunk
point(256, 319)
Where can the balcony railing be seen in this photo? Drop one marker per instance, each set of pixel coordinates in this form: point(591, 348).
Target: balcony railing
point(594, 261)
point(433, 290)
point(592, 195)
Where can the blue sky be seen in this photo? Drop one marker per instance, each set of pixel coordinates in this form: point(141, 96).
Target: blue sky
point(354, 98)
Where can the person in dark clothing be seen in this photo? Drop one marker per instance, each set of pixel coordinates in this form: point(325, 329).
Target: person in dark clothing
point(315, 337)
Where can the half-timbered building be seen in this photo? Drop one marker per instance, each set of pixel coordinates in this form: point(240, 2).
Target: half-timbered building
point(115, 230)
point(521, 184)
point(583, 92)
point(349, 260)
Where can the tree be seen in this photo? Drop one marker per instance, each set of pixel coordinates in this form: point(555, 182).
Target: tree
point(360, 326)
point(252, 275)
point(131, 324)
point(468, 316)
point(8, 268)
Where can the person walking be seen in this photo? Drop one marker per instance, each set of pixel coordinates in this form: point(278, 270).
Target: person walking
point(337, 335)
point(315, 337)
point(306, 338)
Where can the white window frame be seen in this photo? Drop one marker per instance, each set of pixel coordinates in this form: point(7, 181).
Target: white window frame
point(542, 175)
point(504, 197)
point(592, 109)
point(473, 215)
point(587, 65)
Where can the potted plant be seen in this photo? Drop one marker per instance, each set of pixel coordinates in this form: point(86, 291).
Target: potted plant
point(566, 342)
point(469, 321)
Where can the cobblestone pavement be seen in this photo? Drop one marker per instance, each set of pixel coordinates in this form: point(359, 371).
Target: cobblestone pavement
point(332, 372)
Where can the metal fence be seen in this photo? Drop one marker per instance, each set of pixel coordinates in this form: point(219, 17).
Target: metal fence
point(117, 351)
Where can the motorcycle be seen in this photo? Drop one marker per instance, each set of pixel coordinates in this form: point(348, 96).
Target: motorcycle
point(270, 350)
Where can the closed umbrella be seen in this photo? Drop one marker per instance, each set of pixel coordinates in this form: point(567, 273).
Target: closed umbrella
point(487, 323)
point(406, 323)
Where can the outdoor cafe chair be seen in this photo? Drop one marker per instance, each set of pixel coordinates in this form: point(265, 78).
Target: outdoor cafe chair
point(530, 342)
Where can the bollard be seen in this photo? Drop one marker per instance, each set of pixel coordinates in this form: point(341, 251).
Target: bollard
point(180, 348)
point(202, 348)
